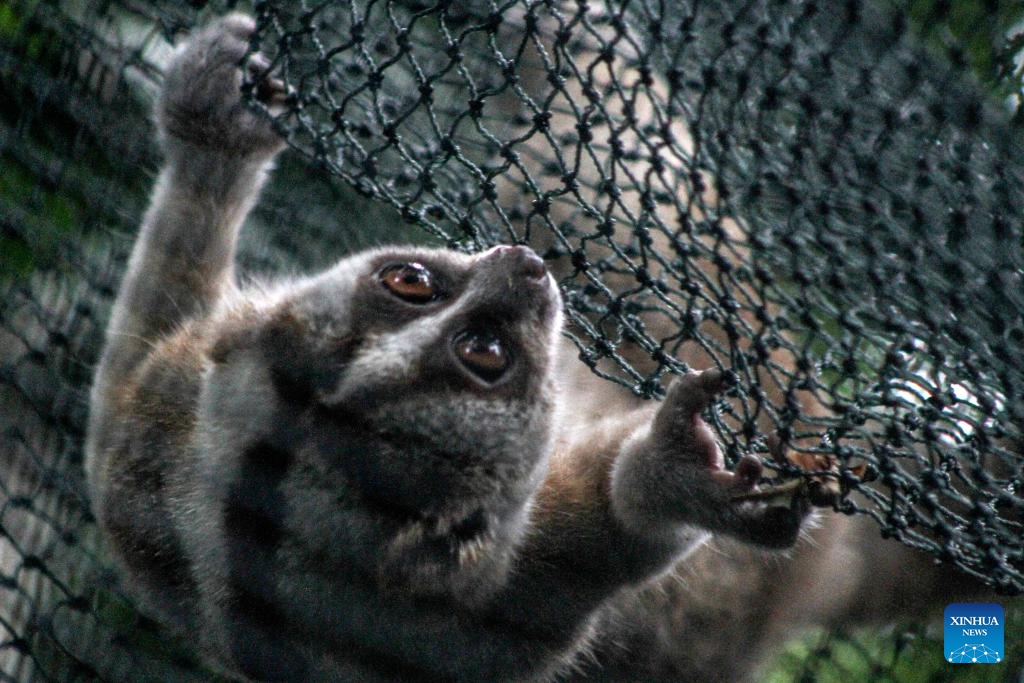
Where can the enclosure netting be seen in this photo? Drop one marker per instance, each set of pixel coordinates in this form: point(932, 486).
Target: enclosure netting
point(806, 194)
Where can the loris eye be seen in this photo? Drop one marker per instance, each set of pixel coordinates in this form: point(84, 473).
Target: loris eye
point(483, 354)
point(411, 282)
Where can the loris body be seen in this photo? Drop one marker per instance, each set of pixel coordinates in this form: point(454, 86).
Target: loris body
point(368, 474)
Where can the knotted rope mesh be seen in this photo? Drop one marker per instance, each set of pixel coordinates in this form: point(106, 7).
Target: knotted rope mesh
point(812, 196)
point(786, 190)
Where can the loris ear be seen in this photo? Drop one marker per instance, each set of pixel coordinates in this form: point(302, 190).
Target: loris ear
point(302, 368)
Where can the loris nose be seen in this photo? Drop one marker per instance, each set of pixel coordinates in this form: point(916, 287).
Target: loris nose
point(521, 261)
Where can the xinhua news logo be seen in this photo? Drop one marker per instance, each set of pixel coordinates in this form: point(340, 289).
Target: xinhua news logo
point(974, 633)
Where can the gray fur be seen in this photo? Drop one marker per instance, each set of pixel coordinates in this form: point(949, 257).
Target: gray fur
point(307, 476)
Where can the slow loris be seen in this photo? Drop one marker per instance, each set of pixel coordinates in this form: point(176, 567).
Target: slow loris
point(373, 473)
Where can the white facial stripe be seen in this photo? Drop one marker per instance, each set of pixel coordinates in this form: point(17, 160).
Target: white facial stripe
point(396, 356)
point(392, 356)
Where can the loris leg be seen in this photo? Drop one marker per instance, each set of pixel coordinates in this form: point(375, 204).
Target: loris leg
point(216, 156)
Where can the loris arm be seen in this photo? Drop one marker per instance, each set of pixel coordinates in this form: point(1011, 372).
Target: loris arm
point(628, 504)
point(216, 157)
point(612, 517)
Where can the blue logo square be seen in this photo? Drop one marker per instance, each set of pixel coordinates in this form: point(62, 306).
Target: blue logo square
point(974, 633)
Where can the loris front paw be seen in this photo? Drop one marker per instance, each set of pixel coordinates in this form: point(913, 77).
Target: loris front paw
point(201, 100)
point(675, 474)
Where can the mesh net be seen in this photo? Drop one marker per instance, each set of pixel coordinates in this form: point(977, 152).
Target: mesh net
point(791, 192)
point(823, 199)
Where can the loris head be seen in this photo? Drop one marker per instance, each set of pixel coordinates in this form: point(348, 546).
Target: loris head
point(412, 391)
